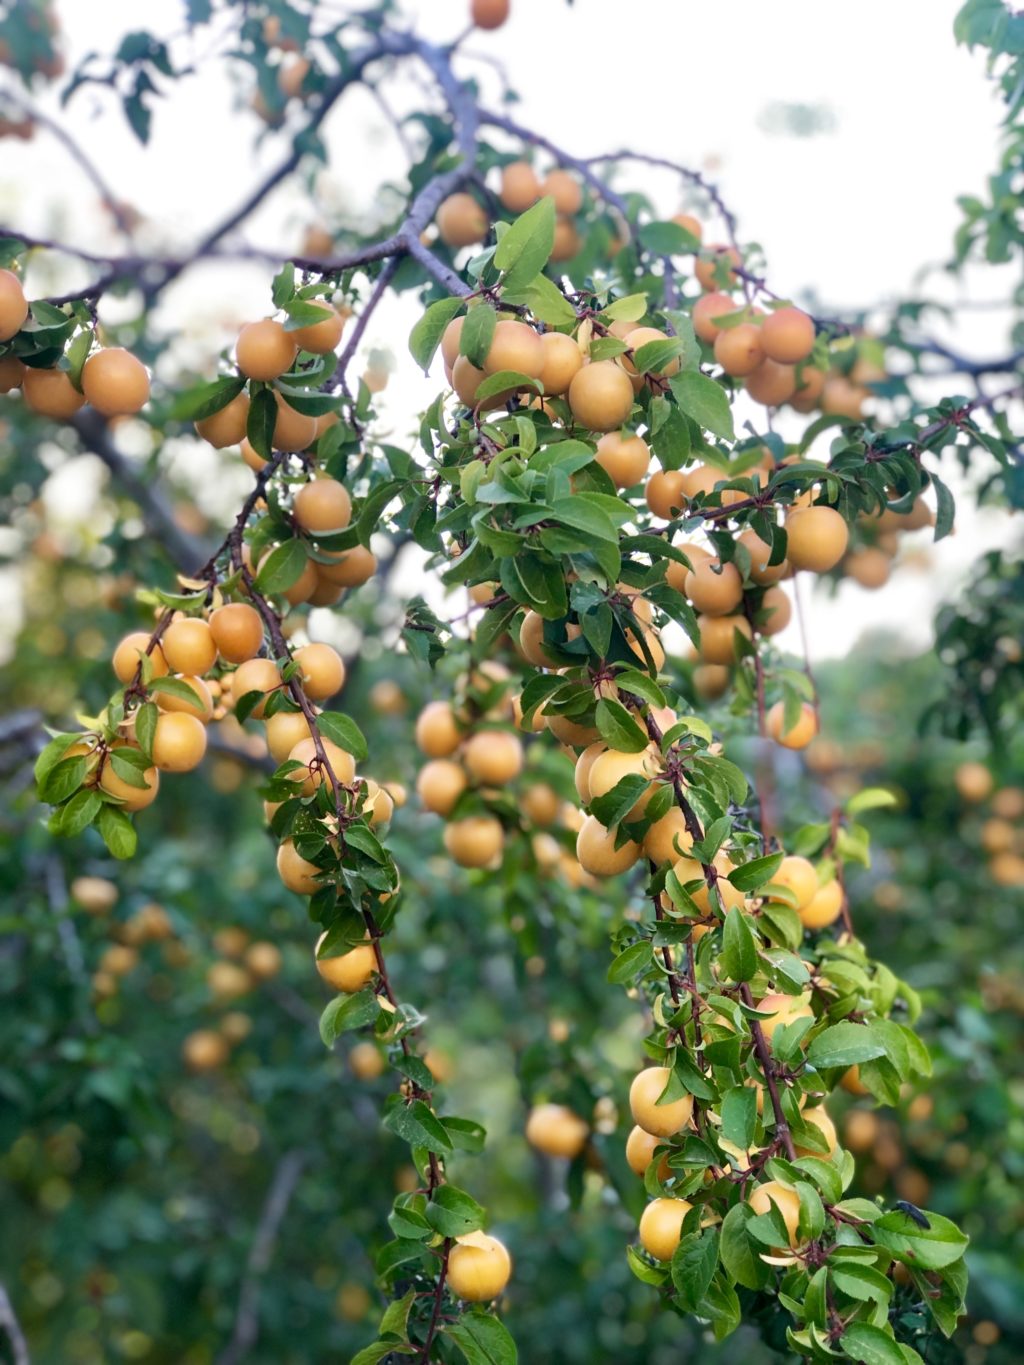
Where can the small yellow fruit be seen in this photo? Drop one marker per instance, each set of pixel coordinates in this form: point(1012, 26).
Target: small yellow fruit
point(323, 507)
point(440, 784)
point(179, 742)
point(437, 732)
point(115, 382)
point(785, 1199)
point(321, 671)
point(264, 350)
point(129, 654)
point(479, 1267)
point(556, 1131)
point(625, 459)
point(493, 757)
point(660, 1120)
point(799, 735)
point(601, 396)
point(296, 872)
point(824, 907)
point(661, 1225)
point(816, 538)
point(474, 841)
point(348, 972)
point(799, 876)
point(237, 631)
point(188, 646)
point(596, 851)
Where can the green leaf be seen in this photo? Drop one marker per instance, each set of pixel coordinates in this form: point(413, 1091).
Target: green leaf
point(146, 718)
point(740, 1256)
point(483, 1339)
point(636, 958)
point(545, 301)
point(739, 1115)
point(78, 814)
point(749, 876)
point(694, 1263)
point(395, 1322)
point(51, 755)
point(701, 398)
point(525, 248)
point(377, 1350)
point(282, 568)
point(618, 728)
point(871, 1345)
point(174, 687)
point(117, 832)
point(505, 381)
point(63, 778)
point(844, 1044)
point(425, 337)
point(348, 1012)
point(261, 423)
point(612, 808)
point(477, 334)
point(871, 798)
point(931, 1248)
point(630, 308)
point(452, 1212)
point(739, 947)
point(418, 1125)
point(208, 399)
point(282, 287)
point(667, 239)
point(344, 732)
point(945, 508)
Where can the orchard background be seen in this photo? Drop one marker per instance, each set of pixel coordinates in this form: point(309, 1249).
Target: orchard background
point(192, 1169)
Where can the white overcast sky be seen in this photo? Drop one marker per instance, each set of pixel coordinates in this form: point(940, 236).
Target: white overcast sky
point(851, 213)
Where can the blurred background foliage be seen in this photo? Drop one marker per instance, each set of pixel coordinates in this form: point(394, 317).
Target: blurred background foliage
point(132, 1189)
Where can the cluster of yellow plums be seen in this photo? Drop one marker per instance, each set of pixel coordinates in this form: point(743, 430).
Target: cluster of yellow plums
point(462, 220)
point(1002, 831)
point(113, 381)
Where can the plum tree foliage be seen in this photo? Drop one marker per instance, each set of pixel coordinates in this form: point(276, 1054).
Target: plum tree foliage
point(603, 470)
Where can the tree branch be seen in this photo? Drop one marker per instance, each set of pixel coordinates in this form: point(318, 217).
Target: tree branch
point(9, 1322)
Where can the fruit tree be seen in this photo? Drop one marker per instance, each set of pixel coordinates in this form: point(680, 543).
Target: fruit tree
point(639, 449)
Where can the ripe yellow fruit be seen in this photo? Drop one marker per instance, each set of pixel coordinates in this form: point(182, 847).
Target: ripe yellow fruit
point(565, 190)
point(474, 841)
point(584, 767)
point(285, 729)
point(714, 588)
point(351, 569)
point(531, 640)
point(226, 427)
point(771, 383)
point(13, 305)
point(323, 507)
point(94, 894)
point(668, 838)
point(227, 981)
point(367, 1064)
point(461, 221)
point(706, 265)
point(774, 613)
point(739, 349)
point(797, 875)
point(788, 336)
point(297, 873)
point(450, 339)
point(188, 646)
point(437, 732)
point(820, 1118)
point(50, 393)
point(12, 373)
point(666, 493)
point(817, 538)
point(237, 631)
point(810, 384)
point(707, 308)
point(264, 350)
point(692, 225)
point(115, 382)
point(320, 337)
point(321, 671)
point(571, 731)
point(540, 804)
point(973, 781)
point(236, 1026)
point(785, 1199)
point(824, 907)
point(179, 742)
point(493, 757)
point(640, 336)
point(131, 798)
point(520, 188)
point(567, 240)
point(596, 851)
point(466, 379)
point(843, 399)
point(661, 1226)
point(609, 768)
point(556, 1131)
point(440, 784)
point(711, 681)
point(640, 1148)
point(689, 870)
point(852, 1083)
point(660, 1120)
point(255, 675)
point(304, 586)
point(718, 637)
point(348, 972)
point(515, 346)
point(800, 734)
point(205, 1050)
point(562, 361)
point(378, 806)
point(868, 566)
point(1008, 802)
point(129, 653)
point(479, 1267)
point(601, 396)
point(311, 774)
point(763, 574)
point(786, 1010)
point(625, 459)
